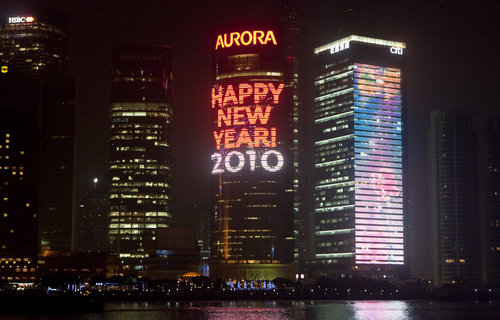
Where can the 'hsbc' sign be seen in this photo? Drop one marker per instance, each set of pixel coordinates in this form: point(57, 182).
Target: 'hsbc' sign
point(21, 19)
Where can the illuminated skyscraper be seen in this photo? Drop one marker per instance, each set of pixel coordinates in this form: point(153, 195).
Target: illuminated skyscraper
point(359, 157)
point(140, 167)
point(37, 47)
point(254, 103)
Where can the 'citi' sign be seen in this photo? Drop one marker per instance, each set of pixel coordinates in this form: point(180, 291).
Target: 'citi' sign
point(245, 38)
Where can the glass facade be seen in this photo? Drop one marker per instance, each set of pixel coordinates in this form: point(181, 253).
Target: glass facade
point(140, 168)
point(454, 196)
point(253, 105)
point(358, 154)
point(378, 165)
point(36, 48)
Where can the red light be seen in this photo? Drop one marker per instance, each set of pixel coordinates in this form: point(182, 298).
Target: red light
point(30, 19)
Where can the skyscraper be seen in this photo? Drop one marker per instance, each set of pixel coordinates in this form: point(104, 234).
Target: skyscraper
point(492, 197)
point(37, 47)
point(19, 175)
point(140, 164)
point(254, 104)
point(92, 230)
point(454, 196)
point(359, 157)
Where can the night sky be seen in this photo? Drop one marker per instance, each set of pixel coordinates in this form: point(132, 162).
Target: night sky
point(452, 49)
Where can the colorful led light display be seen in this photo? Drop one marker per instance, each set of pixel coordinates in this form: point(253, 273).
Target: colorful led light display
point(244, 121)
point(378, 165)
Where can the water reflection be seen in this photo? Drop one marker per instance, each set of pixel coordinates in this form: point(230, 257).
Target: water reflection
point(380, 310)
point(244, 310)
point(280, 310)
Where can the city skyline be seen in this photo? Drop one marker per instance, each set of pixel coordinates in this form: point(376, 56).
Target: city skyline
point(443, 85)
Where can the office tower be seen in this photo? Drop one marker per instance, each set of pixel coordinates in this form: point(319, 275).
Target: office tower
point(36, 46)
point(454, 196)
point(491, 198)
point(254, 102)
point(140, 164)
point(359, 157)
point(196, 215)
point(19, 175)
point(93, 218)
point(289, 16)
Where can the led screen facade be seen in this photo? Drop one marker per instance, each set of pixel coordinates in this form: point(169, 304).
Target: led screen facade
point(359, 154)
point(378, 165)
point(252, 162)
point(246, 130)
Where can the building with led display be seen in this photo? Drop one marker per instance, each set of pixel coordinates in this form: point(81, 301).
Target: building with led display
point(255, 160)
point(359, 157)
point(36, 46)
point(140, 167)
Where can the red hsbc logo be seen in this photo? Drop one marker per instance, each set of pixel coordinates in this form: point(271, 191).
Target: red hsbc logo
point(245, 38)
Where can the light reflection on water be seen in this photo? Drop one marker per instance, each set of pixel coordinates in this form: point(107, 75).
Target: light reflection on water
point(281, 310)
point(380, 310)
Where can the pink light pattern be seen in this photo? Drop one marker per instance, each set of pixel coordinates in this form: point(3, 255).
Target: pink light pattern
point(379, 230)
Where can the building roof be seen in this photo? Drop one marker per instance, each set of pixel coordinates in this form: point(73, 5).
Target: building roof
point(344, 43)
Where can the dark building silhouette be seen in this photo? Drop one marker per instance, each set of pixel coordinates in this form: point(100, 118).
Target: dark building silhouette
point(196, 216)
point(93, 219)
point(454, 196)
point(140, 154)
point(290, 17)
point(492, 203)
point(37, 47)
point(360, 193)
point(19, 174)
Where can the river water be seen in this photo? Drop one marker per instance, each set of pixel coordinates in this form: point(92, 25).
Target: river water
point(281, 310)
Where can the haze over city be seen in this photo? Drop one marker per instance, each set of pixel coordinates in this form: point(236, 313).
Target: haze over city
point(447, 62)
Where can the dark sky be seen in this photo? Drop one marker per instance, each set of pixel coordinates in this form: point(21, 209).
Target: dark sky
point(451, 62)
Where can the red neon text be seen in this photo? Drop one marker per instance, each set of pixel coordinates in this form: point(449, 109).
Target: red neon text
point(236, 116)
point(223, 97)
point(228, 139)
